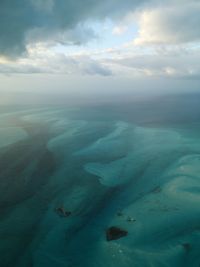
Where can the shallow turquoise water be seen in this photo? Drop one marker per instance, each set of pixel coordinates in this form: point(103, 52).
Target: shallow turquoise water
point(141, 158)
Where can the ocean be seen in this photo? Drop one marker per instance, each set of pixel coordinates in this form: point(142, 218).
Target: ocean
point(69, 173)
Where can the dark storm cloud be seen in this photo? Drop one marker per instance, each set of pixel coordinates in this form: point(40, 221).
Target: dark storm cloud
point(20, 17)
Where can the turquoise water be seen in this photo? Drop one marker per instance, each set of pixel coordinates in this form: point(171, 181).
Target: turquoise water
point(140, 158)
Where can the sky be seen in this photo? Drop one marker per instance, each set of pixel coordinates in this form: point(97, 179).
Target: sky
point(98, 48)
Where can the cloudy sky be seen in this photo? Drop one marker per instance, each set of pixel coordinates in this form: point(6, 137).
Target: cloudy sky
point(98, 46)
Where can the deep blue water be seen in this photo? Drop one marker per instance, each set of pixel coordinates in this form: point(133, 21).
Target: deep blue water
point(140, 158)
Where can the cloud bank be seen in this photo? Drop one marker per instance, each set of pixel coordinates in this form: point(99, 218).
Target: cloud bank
point(25, 21)
point(165, 42)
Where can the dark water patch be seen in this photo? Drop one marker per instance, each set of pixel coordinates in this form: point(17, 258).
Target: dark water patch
point(161, 111)
point(24, 167)
point(114, 233)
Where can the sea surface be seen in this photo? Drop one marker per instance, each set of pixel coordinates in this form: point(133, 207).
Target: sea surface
point(134, 165)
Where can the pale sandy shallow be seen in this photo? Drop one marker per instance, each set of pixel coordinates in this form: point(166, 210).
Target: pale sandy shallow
point(95, 167)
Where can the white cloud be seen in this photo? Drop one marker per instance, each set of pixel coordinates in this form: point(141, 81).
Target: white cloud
point(174, 23)
point(43, 60)
point(174, 63)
